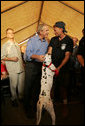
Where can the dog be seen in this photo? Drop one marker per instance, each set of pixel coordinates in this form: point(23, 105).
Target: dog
point(45, 101)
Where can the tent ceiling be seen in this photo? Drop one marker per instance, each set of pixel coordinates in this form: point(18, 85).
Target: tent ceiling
point(57, 11)
point(5, 6)
point(24, 17)
point(77, 5)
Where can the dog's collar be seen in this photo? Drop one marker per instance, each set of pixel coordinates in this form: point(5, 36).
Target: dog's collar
point(47, 65)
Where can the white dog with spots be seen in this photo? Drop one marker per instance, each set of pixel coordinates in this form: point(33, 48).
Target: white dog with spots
point(48, 71)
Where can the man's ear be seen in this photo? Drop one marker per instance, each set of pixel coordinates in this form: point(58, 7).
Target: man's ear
point(61, 29)
point(41, 32)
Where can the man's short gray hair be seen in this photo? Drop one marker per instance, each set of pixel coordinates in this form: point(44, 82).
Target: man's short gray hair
point(40, 27)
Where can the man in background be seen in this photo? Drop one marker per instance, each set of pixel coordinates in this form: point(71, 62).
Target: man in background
point(80, 57)
point(11, 54)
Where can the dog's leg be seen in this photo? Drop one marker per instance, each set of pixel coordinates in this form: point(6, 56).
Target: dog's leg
point(39, 112)
point(50, 109)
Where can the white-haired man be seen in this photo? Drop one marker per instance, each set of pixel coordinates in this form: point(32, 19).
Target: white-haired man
point(34, 56)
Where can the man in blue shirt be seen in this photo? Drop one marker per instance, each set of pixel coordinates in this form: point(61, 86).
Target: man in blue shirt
point(34, 56)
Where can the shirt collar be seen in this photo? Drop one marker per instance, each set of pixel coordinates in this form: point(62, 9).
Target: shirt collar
point(11, 43)
point(40, 39)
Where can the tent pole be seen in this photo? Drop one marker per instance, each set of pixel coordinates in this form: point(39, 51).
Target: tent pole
point(40, 13)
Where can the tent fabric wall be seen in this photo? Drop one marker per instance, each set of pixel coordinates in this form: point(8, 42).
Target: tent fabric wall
point(24, 17)
point(10, 4)
point(77, 5)
point(20, 18)
point(24, 34)
point(56, 11)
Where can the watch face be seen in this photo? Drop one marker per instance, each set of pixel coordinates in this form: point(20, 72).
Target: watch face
point(63, 46)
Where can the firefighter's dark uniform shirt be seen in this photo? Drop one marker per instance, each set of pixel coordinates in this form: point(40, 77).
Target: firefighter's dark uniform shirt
point(58, 50)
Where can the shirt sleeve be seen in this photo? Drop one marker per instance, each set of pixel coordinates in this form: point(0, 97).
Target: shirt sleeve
point(4, 51)
point(51, 42)
point(69, 47)
point(81, 47)
point(29, 51)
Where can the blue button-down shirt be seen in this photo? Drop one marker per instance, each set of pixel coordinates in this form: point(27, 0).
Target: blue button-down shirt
point(35, 46)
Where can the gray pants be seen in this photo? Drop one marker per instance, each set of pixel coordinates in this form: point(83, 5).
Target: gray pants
point(17, 81)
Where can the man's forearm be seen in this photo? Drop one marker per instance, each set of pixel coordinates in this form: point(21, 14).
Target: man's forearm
point(14, 59)
point(81, 60)
point(49, 50)
point(7, 59)
point(38, 57)
point(34, 56)
point(64, 61)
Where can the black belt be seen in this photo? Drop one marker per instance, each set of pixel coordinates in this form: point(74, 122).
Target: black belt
point(34, 62)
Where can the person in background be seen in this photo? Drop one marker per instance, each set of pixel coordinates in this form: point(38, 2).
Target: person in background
point(80, 57)
point(11, 54)
point(81, 54)
point(4, 73)
point(34, 56)
point(4, 85)
point(74, 69)
point(23, 48)
point(75, 45)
